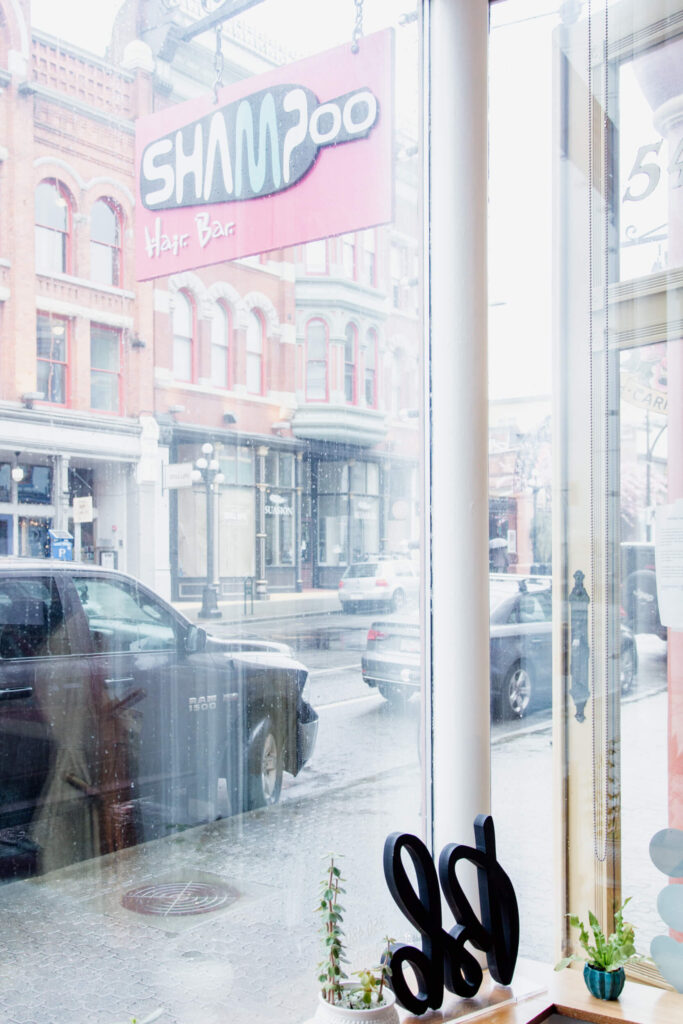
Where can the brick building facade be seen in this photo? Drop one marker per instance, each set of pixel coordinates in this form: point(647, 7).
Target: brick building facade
point(300, 367)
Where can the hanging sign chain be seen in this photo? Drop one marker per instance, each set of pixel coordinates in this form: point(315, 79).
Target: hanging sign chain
point(358, 26)
point(218, 62)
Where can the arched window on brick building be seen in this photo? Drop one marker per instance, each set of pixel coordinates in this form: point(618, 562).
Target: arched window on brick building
point(370, 368)
point(184, 323)
point(350, 364)
point(53, 219)
point(255, 354)
point(221, 332)
point(105, 243)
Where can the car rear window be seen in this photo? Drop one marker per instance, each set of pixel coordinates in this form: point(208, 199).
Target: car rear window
point(361, 569)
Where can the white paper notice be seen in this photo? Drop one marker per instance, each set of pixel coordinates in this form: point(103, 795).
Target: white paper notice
point(669, 563)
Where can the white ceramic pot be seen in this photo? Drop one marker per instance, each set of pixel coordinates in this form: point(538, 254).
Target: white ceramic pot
point(328, 1013)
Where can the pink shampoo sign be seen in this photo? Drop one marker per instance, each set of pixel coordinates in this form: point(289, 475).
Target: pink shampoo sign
point(299, 153)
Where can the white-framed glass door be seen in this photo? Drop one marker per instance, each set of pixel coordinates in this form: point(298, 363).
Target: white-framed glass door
point(617, 582)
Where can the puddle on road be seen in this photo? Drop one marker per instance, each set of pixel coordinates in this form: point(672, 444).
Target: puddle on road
point(322, 639)
point(331, 639)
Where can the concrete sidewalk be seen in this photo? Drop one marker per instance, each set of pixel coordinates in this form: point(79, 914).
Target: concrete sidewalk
point(275, 606)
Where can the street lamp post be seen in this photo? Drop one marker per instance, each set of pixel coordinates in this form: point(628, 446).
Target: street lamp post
point(207, 472)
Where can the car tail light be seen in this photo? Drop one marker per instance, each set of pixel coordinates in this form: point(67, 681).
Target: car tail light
point(376, 634)
point(341, 584)
point(381, 583)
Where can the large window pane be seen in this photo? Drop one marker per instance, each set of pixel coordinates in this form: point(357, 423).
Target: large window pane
point(584, 476)
point(183, 337)
point(220, 347)
point(52, 339)
point(105, 255)
point(105, 368)
point(316, 361)
point(197, 458)
point(52, 215)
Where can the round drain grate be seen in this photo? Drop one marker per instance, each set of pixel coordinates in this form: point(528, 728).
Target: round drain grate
point(178, 899)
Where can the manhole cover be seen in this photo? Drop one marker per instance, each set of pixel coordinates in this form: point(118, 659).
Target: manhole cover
point(178, 899)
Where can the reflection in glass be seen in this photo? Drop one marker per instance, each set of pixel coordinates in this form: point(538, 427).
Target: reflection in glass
point(220, 347)
point(254, 353)
point(35, 488)
point(152, 744)
point(52, 213)
point(183, 336)
point(52, 338)
point(316, 361)
point(105, 368)
point(105, 253)
point(5, 481)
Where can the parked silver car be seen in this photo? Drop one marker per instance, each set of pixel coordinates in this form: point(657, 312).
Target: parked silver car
point(392, 657)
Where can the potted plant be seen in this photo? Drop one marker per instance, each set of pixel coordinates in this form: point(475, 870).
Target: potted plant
point(603, 971)
point(341, 1001)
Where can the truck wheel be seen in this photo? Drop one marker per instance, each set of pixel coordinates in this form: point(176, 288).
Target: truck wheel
point(264, 767)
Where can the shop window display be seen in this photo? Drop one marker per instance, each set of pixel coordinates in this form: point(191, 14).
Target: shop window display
point(273, 426)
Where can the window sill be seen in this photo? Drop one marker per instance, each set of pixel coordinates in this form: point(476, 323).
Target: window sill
point(84, 282)
point(537, 993)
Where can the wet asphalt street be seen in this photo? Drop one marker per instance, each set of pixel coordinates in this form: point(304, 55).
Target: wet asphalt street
point(259, 872)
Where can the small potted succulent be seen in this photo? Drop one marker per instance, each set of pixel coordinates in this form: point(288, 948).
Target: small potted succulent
point(603, 971)
point(342, 1001)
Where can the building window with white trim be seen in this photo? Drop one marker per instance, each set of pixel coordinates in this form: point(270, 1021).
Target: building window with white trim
point(254, 353)
point(370, 368)
point(52, 228)
point(183, 337)
point(397, 259)
point(315, 256)
point(105, 243)
point(316, 361)
point(220, 347)
point(52, 345)
point(370, 257)
point(279, 508)
point(350, 362)
point(348, 253)
point(105, 368)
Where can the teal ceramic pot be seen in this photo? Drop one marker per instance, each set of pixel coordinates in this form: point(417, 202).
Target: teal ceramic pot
point(604, 984)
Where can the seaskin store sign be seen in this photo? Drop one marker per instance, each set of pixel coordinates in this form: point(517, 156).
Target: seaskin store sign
point(299, 153)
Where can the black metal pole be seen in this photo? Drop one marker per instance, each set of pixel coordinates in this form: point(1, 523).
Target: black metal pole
point(209, 609)
point(298, 512)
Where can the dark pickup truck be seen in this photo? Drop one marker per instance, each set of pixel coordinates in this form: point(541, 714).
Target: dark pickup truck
point(119, 718)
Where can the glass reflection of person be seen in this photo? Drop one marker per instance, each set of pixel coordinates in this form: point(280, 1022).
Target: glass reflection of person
point(85, 807)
